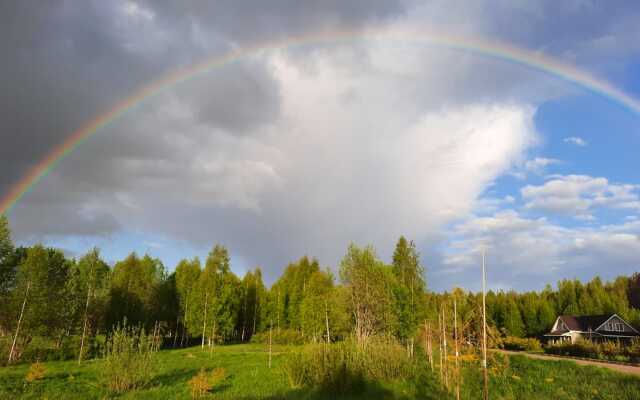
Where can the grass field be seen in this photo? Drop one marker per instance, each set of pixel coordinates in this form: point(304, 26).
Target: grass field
point(248, 377)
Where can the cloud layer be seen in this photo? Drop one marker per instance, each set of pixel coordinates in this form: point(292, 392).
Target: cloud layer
point(301, 150)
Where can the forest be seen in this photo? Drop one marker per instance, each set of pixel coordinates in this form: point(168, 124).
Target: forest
point(44, 294)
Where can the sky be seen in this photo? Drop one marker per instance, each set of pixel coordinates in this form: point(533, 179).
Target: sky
point(302, 149)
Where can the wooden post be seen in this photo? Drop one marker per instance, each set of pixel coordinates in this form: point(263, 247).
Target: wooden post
point(455, 339)
point(485, 392)
point(24, 303)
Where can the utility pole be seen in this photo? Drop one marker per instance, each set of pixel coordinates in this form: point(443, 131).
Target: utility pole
point(455, 339)
point(485, 392)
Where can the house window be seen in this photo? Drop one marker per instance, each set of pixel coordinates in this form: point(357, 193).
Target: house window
point(619, 327)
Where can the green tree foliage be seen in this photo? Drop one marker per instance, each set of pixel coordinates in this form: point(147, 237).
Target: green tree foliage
point(291, 289)
point(186, 277)
point(87, 291)
point(410, 289)
point(634, 290)
point(135, 283)
point(7, 273)
point(45, 271)
point(512, 319)
point(6, 252)
point(369, 284)
point(215, 299)
point(318, 307)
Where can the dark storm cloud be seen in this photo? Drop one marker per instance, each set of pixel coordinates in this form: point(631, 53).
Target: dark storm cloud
point(236, 98)
point(61, 66)
point(66, 62)
point(247, 20)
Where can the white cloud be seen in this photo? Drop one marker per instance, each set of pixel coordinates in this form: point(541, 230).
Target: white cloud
point(578, 141)
point(579, 194)
point(538, 165)
point(524, 252)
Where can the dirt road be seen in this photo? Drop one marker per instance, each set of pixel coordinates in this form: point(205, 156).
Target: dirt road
point(626, 369)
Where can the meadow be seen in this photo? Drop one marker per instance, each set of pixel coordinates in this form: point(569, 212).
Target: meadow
point(247, 376)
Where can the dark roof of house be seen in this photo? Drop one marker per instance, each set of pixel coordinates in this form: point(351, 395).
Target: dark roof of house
point(584, 323)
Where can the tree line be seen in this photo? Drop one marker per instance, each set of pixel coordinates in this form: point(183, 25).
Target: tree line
point(45, 294)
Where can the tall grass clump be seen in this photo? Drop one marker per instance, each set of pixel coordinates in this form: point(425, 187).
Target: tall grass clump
point(36, 372)
point(205, 382)
point(128, 359)
point(345, 367)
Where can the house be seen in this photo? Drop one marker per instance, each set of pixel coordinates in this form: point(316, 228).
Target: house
point(597, 328)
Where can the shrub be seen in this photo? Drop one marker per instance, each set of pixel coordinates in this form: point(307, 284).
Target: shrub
point(204, 382)
point(520, 344)
point(578, 349)
point(344, 367)
point(36, 372)
point(128, 359)
point(633, 351)
point(603, 351)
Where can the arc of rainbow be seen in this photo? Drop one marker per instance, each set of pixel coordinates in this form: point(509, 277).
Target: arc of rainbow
point(496, 50)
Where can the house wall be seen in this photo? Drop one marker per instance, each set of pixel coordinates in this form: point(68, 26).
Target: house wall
point(616, 320)
point(575, 336)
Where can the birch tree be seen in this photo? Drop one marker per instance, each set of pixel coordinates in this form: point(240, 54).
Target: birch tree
point(90, 279)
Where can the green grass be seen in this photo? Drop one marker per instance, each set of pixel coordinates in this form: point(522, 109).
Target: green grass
point(520, 377)
point(248, 377)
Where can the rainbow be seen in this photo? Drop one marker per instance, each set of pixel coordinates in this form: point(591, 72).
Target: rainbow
point(481, 47)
